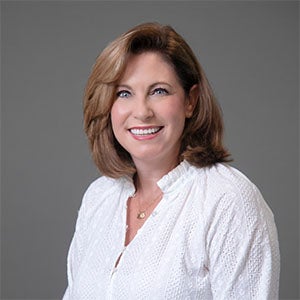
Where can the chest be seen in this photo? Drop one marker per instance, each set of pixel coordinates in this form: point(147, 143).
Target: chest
point(166, 255)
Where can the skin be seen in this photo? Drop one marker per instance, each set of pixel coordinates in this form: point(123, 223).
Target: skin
point(148, 118)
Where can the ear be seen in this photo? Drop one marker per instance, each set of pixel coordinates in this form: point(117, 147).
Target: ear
point(192, 100)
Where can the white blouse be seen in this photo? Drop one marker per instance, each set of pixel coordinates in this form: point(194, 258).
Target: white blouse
point(212, 236)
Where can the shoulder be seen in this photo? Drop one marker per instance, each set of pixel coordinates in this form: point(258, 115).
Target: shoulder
point(99, 191)
point(100, 186)
point(222, 178)
point(228, 188)
point(226, 178)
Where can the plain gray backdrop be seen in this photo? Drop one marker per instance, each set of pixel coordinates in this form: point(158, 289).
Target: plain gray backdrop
point(249, 51)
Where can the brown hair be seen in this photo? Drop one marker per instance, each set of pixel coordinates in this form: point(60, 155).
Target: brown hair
point(201, 144)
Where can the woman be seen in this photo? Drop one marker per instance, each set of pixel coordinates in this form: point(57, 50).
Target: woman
point(169, 219)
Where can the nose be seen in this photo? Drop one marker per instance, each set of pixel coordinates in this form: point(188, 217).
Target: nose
point(142, 109)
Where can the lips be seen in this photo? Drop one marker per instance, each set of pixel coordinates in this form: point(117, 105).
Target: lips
point(145, 131)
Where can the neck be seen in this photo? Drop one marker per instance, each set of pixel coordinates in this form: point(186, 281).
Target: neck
point(148, 174)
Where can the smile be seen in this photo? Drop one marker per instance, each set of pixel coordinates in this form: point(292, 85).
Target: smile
point(146, 131)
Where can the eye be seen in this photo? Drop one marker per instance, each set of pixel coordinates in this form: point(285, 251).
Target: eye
point(159, 91)
point(123, 94)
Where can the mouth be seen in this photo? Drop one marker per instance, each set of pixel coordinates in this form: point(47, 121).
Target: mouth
point(145, 131)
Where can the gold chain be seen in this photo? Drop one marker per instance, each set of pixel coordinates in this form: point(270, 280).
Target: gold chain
point(142, 212)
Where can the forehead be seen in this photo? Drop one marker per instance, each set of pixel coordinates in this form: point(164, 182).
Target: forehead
point(148, 66)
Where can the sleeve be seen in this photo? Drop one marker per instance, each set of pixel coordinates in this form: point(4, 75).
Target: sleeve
point(76, 250)
point(243, 248)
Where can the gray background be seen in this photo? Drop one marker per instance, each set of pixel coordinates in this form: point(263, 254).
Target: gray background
point(250, 53)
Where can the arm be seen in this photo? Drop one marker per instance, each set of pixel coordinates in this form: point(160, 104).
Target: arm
point(76, 250)
point(243, 248)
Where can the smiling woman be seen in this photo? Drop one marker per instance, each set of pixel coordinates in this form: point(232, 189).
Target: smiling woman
point(170, 219)
point(149, 122)
point(201, 141)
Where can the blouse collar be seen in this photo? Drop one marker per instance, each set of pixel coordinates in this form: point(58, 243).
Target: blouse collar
point(168, 182)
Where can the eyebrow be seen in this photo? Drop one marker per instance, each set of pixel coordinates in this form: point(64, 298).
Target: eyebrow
point(150, 87)
point(123, 86)
point(159, 83)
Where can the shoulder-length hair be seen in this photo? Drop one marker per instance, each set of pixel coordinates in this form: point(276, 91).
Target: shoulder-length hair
point(202, 138)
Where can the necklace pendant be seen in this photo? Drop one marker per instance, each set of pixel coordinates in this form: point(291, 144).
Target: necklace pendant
point(141, 215)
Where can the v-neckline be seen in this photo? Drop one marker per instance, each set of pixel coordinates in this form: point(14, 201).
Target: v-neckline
point(127, 246)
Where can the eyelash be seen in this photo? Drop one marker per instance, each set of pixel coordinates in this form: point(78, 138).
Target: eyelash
point(164, 91)
point(119, 94)
point(158, 91)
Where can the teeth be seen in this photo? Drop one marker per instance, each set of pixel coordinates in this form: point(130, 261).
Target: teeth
point(144, 131)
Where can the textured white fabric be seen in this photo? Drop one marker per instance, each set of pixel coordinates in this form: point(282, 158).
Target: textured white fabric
point(212, 236)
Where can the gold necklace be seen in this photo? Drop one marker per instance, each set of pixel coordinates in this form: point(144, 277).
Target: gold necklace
point(142, 212)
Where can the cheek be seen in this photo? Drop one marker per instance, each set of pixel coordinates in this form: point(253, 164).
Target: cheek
point(117, 115)
point(114, 115)
point(176, 114)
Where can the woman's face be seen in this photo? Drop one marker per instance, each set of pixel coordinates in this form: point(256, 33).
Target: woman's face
point(150, 109)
